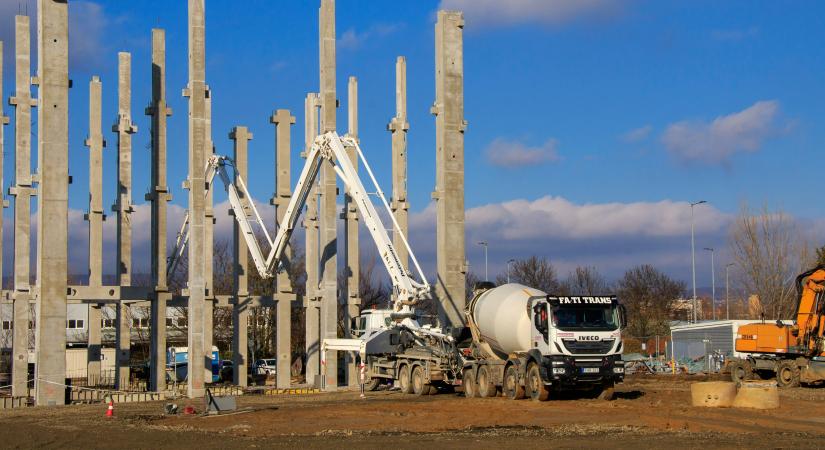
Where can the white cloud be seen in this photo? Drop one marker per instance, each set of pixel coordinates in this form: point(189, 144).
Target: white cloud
point(637, 134)
point(545, 12)
point(505, 153)
point(352, 39)
point(716, 142)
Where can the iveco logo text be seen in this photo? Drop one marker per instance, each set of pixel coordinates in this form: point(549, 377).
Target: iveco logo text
point(588, 338)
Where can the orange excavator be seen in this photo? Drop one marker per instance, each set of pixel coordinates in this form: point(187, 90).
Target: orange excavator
point(793, 353)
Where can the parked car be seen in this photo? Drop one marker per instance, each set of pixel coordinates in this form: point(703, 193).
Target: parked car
point(264, 367)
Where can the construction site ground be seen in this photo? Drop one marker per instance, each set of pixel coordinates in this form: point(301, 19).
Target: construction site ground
point(649, 412)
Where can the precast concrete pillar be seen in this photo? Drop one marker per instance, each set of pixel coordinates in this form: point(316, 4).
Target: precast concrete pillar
point(95, 217)
point(352, 255)
point(198, 148)
point(208, 251)
point(53, 192)
point(123, 208)
point(283, 121)
point(22, 192)
point(240, 311)
point(159, 196)
point(399, 126)
point(312, 303)
point(451, 264)
point(329, 190)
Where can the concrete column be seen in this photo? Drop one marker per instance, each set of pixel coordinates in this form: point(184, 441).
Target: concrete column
point(399, 126)
point(53, 190)
point(350, 215)
point(311, 296)
point(3, 203)
point(95, 216)
point(451, 261)
point(208, 252)
point(198, 147)
point(22, 192)
point(240, 311)
point(329, 188)
point(94, 346)
point(283, 121)
point(123, 208)
point(159, 196)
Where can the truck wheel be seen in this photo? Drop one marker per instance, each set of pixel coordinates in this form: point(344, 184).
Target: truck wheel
point(607, 393)
point(373, 384)
point(787, 374)
point(404, 380)
point(740, 370)
point(512, 389)
point(486, 387)
point(469, 382)
point(418, 386)
point(535, 386)
point(431, 390)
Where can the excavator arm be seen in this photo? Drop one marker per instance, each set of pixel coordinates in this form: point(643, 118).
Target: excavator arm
point(327, 148)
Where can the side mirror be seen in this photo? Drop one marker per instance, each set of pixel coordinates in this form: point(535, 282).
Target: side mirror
point(622, 317)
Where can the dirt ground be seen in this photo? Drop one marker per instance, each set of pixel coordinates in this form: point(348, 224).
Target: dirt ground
point(648, 411)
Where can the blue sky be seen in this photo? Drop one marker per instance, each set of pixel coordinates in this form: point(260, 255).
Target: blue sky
point(591, 123)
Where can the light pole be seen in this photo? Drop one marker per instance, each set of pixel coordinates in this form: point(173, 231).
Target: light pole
point(727, 292)
point(508, 269)
point(713, 283)
point(484, 244)
point(693, 256)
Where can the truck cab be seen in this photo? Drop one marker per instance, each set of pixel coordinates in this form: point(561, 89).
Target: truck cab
point(580, 336)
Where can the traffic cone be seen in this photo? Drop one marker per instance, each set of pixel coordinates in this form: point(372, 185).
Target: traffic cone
point(110, 412)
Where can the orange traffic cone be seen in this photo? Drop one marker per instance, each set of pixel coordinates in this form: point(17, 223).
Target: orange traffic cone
point(110, 412)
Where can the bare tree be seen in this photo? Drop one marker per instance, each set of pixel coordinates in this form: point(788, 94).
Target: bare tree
point(649, 296)
point(769, 251)
point(535, 272)
point(585, 280)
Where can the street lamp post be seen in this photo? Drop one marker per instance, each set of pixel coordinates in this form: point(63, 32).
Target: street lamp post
point(486, 274)
point(713, 282)
point(727, 292)
point(508, 269)
point(693, 256)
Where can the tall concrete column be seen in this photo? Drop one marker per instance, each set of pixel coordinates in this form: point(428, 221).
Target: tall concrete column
point(208, 251)
point(449, 186)
point(351, 250)
point(311, 296)
point(159, 196)
point(198, 147)
point(22, 192)
point(96, 143)
point(329, 188)
point(53, 190)
point(3, 203)
point(283, 121)
point(240, 311)
point(123, 207)
point(399, 126)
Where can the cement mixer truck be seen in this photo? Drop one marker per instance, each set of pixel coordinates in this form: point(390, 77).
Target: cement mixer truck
point(526, 343)
point(519, 341)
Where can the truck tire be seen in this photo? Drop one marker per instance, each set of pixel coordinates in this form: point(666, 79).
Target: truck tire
point(486, 387)
point(373, 384)
point(607, 393)
point(535, 386)
point(417, 380)
point(431, 390)
point(404, 380)
point(740, 370)
point(787, 374)
point(512, 389)
point(469, 383)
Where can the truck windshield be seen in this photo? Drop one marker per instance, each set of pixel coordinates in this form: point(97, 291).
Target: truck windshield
point(592, 318)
